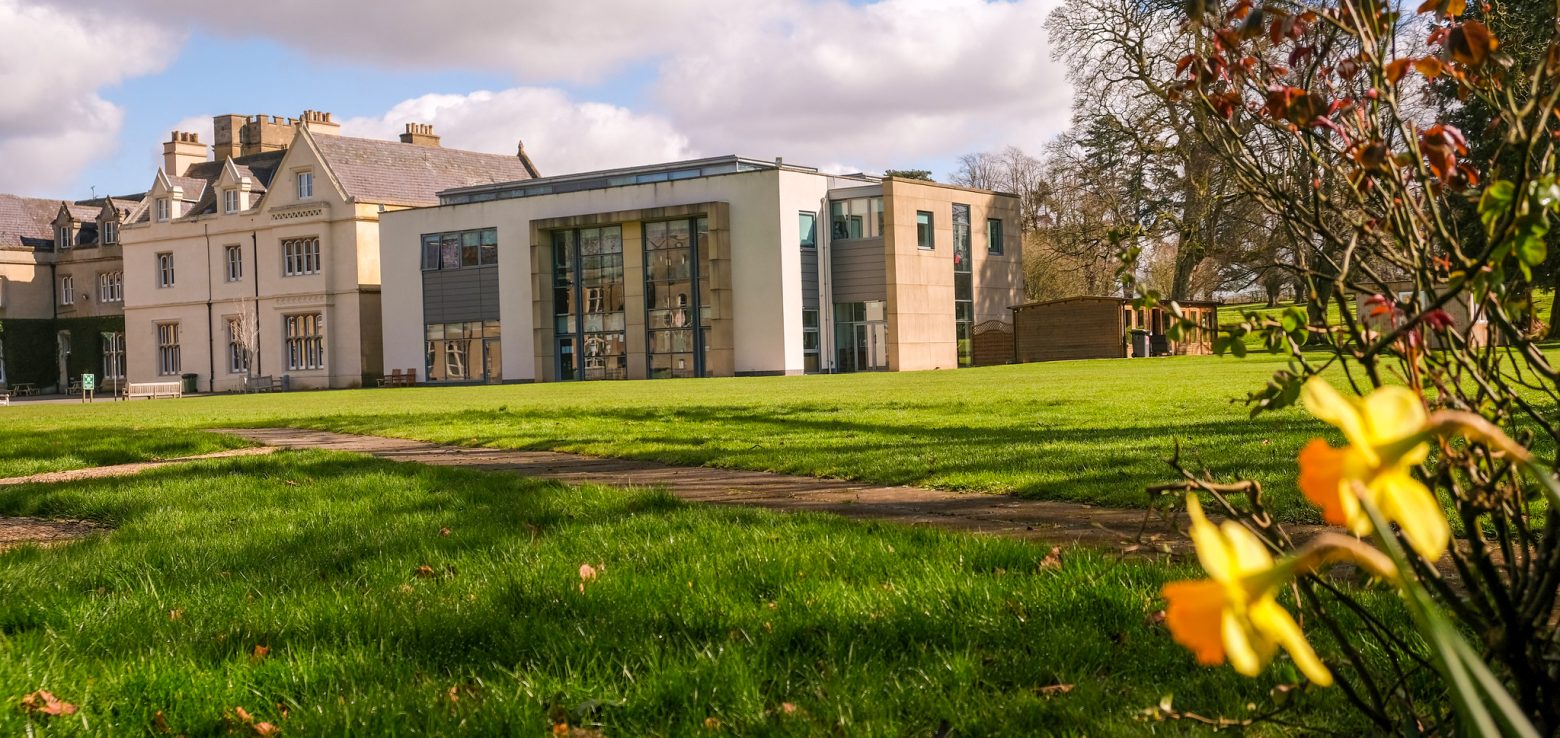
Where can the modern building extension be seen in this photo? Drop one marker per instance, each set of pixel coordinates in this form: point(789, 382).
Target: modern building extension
point(714, 267)
point(264, 261)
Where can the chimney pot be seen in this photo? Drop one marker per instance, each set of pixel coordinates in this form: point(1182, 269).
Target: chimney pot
point(420, 134)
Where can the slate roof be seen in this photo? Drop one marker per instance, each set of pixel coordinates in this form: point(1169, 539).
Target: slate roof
point(259, 168)
point(27, 223)
point(395, 173)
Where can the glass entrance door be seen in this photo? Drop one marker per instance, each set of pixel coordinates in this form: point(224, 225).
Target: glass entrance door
point(861, 337)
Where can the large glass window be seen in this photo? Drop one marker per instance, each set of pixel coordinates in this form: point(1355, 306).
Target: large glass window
point(462, 352)
point(238, 349)
point(460, 249)
point(963, 284)
point(168, 363)
point(305, 341)
point(677, 297)
point(860, 217)
point(588, 302)
point(808, 227)
point(923, 230)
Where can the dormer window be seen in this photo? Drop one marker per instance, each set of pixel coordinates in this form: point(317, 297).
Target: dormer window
point(305, 185)
point(62, 236)
point(164, 207)
point(108, 232)
point(230, 201)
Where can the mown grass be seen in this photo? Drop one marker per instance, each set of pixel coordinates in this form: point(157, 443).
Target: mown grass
point(1088, 431)
point(702, 620)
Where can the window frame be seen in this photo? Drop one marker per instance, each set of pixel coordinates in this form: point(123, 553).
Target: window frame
point(305, 180)
point(929, 241)
point(111, 286)
point(304, 351)
point(166, 275)
point(807, 235)
point(170, 361)
point(68, 289)
point(238, 354)
point(302, 262)
point(233, 262)
point(994, 245)
point(431, 248)
point(108, 232)
point(62, 237)
point(164, 210)
point(230, 201)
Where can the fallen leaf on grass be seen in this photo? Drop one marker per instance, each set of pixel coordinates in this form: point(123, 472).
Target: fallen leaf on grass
point(1155, 618)
point(1052, 560)
point(291, 483)
point(44, 703)
point(260, 653)
point(1052, 690)
point(444, 532)
point(175, 614)
point(425, 571)
point(788, 708)
point(587, 572)
point(265, 729)
point(712, 723)
point(160, 723)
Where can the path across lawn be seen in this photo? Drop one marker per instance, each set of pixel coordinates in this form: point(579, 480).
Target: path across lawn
point(1048, 521)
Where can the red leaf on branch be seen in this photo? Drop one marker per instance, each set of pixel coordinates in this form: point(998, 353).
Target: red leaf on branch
point(1395, 70)
point(1471, 43)
point(1429, 66)
point(1441, 144)
point(1444, 8)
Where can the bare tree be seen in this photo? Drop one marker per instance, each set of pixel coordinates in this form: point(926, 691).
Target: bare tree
point(244, 336)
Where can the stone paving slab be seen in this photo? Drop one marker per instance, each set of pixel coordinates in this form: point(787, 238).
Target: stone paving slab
point(1041, 520)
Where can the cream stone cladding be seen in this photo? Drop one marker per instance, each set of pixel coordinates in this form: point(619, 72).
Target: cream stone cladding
point(83, 264)
point(344, 292)
point(764, 266)
point(25, 291)
point(921, 328)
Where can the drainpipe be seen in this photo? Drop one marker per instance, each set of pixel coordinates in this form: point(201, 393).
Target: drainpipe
point(254, 267)
point(825, 291)
point(211, 345)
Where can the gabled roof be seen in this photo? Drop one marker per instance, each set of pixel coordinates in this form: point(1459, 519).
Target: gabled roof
point(259, 168)
point(395, 173)
point(27, 223)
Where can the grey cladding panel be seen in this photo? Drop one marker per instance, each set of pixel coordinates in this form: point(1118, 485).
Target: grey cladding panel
point(460, 295)
point(859, 270)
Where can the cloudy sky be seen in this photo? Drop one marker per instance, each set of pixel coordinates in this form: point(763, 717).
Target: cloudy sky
point(93, 86)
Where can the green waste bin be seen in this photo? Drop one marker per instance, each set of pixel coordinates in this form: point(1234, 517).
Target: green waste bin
point(190, 386)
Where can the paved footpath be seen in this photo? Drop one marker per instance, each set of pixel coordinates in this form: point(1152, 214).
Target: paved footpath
point(1053, 522)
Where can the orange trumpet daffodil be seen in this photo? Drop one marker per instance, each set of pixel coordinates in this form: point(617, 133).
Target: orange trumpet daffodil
point(1233, 614)
point(1387, 434)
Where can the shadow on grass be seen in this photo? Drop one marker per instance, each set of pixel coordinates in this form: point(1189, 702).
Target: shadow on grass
point(37, 451)
point(339, 566)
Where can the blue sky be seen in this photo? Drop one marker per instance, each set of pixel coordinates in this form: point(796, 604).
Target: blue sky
point(839, 84)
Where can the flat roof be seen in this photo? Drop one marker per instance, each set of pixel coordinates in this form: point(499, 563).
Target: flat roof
point(626, 176)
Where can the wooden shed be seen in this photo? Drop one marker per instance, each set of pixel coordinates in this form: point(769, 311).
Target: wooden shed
point(1102, 328)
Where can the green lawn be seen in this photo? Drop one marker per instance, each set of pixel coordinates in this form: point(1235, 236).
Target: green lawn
point(1091, 431)
point(697, 614)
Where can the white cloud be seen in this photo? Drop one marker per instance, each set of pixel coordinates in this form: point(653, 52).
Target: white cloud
point(52, 64)
point(560, 134)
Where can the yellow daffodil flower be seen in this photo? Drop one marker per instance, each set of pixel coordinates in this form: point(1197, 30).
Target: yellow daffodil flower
point(1386, 432)
point(1233, 614)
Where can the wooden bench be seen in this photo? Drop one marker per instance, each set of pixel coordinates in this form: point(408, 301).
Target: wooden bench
point(5, 399)
point(394, 380)
point(154, 390)
point(265, 383)
point(24, 389)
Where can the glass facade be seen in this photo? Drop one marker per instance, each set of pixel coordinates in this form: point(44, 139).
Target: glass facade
point(588, 303)
point(459, 250)
point(861, 336)
point(677, 297)
point(464, 352)
point(860, 217)
point(963, 282)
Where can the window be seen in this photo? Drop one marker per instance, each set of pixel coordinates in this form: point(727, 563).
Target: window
point(230, 201)
point(62, 237)
point(677, 297)
point(67, 290)
point(234, 259)
point(460, 352)
point(808, 223)
point(923, 230)
point(460, 249)
point(168, 349)
point(860, 217)
point(810, 340)
point(994, 236)
point(111, 287)
point(300, 256)
point(113, 355)
point(305, 341)
point(238, 347)
point(589, 299)
point(110, 231)
point(165, 269)
point(162, 210)
point(305, 185)
point(963, 284)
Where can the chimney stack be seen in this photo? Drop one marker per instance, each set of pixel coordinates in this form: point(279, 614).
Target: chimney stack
point(420, 134)
point(227, 136)
point(320, 123)
point(182, 151)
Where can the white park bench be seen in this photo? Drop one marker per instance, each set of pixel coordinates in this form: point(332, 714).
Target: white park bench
point(154, 390)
